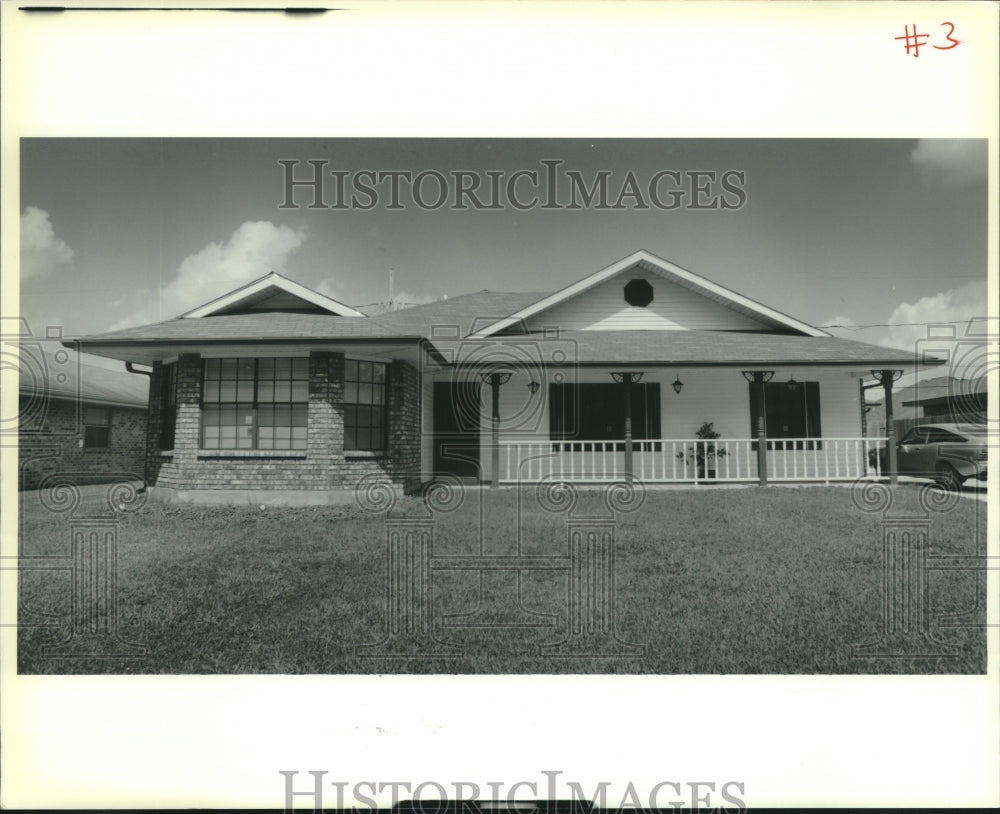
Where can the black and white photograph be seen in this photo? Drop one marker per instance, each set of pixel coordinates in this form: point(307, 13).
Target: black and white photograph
point(505, 417)
point(516, 405)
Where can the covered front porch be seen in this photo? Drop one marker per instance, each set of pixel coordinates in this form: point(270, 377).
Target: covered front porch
point(693, 425)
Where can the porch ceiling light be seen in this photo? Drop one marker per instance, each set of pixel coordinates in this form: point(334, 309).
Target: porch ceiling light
point(619, 375)
point(792, 384)
point(678, 384)
point(533, 386)
point(749, 374)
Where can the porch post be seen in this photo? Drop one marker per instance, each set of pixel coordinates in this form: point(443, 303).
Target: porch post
point(758, 378)
point(495, 378)
point(886, 378)
point(626, 379)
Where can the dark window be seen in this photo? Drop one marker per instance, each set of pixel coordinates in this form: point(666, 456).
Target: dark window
point(638, 293)
point(596, 412)
point(789, 412)
point(364, 405)
point(255, 403)
point(168, 401)
point(936, 435)
point(96, 427)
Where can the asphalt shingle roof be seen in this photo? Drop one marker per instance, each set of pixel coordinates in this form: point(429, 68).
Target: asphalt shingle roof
point(471, 311)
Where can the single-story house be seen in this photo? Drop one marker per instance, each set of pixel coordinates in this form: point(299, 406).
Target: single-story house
point(275, 387)
point(78, 419)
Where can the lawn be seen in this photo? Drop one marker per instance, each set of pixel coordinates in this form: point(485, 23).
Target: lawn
point(712, 580)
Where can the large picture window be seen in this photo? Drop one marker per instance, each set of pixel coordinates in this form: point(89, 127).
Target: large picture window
point(790, 411)
point(255, 403)
point(96, 427)
point(364, 405)
point(596, 412)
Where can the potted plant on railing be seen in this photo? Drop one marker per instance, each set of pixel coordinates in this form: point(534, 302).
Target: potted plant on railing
point(704, 453)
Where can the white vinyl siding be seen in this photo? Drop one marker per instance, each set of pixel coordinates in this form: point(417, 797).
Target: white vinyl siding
point(674, 308)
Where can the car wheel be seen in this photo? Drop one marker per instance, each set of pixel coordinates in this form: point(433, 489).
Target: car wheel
point(947, 477)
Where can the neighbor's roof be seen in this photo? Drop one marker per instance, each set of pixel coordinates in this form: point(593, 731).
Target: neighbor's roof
point(940, 388)
point(44, 374)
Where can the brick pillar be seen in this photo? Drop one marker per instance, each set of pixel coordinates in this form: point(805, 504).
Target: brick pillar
point(154, 421)
point(325, 431)
point(403, 431)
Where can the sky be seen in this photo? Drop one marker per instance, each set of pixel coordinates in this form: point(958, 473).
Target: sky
point(889, 233)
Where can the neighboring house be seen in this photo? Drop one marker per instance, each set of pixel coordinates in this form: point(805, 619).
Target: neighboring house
point(77, 419)
point(275, 387)
point(942, 399)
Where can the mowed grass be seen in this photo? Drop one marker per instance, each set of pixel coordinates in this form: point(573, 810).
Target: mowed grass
point(713, 580)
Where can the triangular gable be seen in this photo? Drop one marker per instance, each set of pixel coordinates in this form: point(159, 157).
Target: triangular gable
point(272, 292)
point(643, 260)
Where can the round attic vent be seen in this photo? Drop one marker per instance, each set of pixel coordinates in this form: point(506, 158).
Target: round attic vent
point(638, 293)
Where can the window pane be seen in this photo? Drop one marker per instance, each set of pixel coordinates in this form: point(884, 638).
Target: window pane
point(245, 369)
point(364, 371)
point(351, 416)
point(351, 370)
point(300, 391)
point(378, 394)
point(350, 440)
point(364, 438)
point(300, 367)
point(364, 393)
point(211, 368)
point(244, 391)
point(300, 416)
point(350, 392)
point(379, 371)
point(377, 439)
point(282, 391)
point(265, 391)
point(227, 368)
point(211, 391)
point(265, 368)
point(227, 391)
point(97, 416)
point(210, 417)
point(211, 437)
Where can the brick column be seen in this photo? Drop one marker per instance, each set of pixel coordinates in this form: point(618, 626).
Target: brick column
point(325, 431)
point(403, 430)
point(154, 420)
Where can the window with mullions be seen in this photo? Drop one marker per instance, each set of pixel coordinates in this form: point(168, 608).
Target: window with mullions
point(96, 427)
point(364, 405)
point(255, 403)
point(790, 411)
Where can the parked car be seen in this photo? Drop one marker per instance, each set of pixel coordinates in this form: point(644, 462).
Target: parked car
point(948, 453)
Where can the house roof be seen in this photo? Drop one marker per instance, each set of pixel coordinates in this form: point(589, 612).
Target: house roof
point(241, 327)
point(493, 316)
point(671, 271)
point(43, 373)
point(266, 287)
point(711, 348)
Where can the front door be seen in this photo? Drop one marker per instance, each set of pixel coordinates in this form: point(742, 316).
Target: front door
point(456, 429)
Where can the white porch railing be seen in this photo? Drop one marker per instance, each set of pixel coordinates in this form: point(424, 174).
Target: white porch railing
point(691, 460)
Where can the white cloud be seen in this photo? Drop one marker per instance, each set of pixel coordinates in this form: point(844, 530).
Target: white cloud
point(951, 162)
point(42, 252)
point(253, 250)
point(909, 322)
